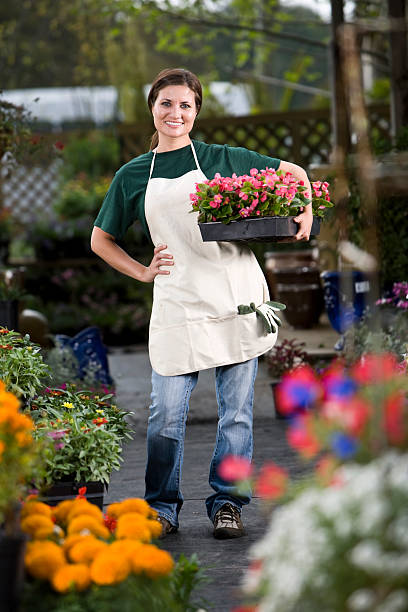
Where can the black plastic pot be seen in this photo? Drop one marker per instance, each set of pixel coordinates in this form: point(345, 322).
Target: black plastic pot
point(263, 229)
point(63, 490)
point(11, 571)
point(9, 314)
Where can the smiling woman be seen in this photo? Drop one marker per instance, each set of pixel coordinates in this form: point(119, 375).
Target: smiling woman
point(198, 287)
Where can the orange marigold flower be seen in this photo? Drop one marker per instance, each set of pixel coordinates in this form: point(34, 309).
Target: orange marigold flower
point(133, 504)
point(110, 568)
point(152, 561)
point(61, 511)
point(2, 447)
point(36, 507)
point(71, 540)
point(89, 523)
point(74, 576)
point(155, 528)
point(81, 506)
point(134, 526)
point(125, 547)
point(23, 439)
point(43, 558)
point(34, 522)
point(86, 550)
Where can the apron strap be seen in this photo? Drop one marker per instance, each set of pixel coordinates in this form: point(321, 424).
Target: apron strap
point(154, 158)
point(152, 165)
point(195, 157)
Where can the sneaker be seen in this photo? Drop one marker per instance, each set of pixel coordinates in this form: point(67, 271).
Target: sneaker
point(167, 527)
point(227, 523)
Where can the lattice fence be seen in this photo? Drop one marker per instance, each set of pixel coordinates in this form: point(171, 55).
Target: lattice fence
point(30, 191)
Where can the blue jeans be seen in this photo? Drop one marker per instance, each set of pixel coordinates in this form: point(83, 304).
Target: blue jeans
point(166, 431)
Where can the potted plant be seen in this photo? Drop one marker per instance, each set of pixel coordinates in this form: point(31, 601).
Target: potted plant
point(83, 433)
point(19, 460)
point(22, 368)
point(282, 358)
point(97, 562)
point(256, 207)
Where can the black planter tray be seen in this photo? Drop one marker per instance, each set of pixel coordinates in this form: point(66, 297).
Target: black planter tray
point(63, 490)
point(264, 229)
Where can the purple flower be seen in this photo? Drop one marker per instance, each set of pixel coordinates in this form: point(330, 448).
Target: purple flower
point(56, 435)
point(59, 445)
point(343, 446)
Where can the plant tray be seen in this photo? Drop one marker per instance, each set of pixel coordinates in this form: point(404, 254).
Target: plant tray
point(63, 490)
point(264, 229)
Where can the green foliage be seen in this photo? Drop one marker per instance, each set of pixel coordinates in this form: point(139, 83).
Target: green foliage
point(84, 432)
point(95, 156)
point(285, 356)
point(22, 368)
point(172, 593)
point(81, 197)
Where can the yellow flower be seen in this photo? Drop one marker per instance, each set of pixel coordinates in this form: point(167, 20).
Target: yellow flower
point(29, 348)
point(68, 405)
point(33, 522)
point(125, 547)
point(83, 506)
point(23, 439)
point(74, 576)
point(109, 568)
point(86, 550)
point(152, 561)
point(155, 528)
point(134, 526)
point(43, 559)
point(99, 411)
point(71, 540)
point(133, 504)
point(62, 509)
point(89, 523)
point(36, 507)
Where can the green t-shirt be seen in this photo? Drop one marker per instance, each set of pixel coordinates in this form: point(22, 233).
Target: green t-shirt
point(124, 201)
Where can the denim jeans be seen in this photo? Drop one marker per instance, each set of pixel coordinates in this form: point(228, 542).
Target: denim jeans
point(166, 430)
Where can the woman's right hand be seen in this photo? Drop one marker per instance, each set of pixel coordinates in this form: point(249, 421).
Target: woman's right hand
point(159, 259)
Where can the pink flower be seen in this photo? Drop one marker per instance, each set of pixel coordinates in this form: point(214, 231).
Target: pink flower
point(214, 204)
point(271, 482)
point(233, 468)
point(253, 172)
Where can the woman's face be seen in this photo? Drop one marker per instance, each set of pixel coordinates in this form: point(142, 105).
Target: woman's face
point(174, 112)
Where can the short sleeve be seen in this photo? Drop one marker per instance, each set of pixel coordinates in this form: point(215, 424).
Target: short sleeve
point(117, 213)
point(242, 160)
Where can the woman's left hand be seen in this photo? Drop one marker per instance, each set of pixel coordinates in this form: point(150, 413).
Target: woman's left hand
point(305, 220)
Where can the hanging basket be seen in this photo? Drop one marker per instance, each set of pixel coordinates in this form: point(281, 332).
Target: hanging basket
point(262, 229)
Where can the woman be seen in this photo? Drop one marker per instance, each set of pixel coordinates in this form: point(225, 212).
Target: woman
point(197, 289)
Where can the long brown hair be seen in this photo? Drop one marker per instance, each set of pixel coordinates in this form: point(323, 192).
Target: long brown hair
point(173, 76)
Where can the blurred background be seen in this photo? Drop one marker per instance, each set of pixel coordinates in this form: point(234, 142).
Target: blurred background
point(321, 83)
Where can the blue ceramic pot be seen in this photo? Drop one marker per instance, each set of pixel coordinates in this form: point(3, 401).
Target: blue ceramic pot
point(346, 296)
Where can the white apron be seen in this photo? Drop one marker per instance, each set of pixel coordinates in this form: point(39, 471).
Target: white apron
point(194, 323)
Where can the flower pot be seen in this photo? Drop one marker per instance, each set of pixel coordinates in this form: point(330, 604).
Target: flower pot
point(343, 310)
point(9, 314)
point(274, 386)
point(69, 489)
point(262, 229)
point(11, 571)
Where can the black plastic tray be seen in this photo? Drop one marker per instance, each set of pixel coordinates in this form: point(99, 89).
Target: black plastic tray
point(264, 229)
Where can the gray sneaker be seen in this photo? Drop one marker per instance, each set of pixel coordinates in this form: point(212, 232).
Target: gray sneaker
point(227, 523)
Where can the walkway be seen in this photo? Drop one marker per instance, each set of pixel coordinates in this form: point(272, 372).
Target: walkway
point(225, 560)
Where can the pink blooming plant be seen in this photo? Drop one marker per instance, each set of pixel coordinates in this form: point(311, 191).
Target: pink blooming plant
point(262, 193)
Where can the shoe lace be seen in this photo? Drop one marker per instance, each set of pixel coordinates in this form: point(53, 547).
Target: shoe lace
point(228, 512)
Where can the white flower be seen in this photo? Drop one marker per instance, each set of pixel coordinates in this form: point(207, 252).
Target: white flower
point(397, 601)
point(361, 601)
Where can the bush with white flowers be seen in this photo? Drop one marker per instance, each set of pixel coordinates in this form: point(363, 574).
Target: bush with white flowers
point(343, 548)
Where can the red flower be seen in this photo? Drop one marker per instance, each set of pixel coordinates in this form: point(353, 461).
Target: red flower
point(99, 421)
point(352, 414)
point(59, 145)
point(110, 522)
point(301, 437)
point(394, 417)
point(233, 468)
point(373, 368)
point(271, 482)
point(299, 388)
point(81, 493)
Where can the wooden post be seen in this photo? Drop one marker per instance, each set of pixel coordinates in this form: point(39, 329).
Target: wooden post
point(340, 124)
point(399, 65)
